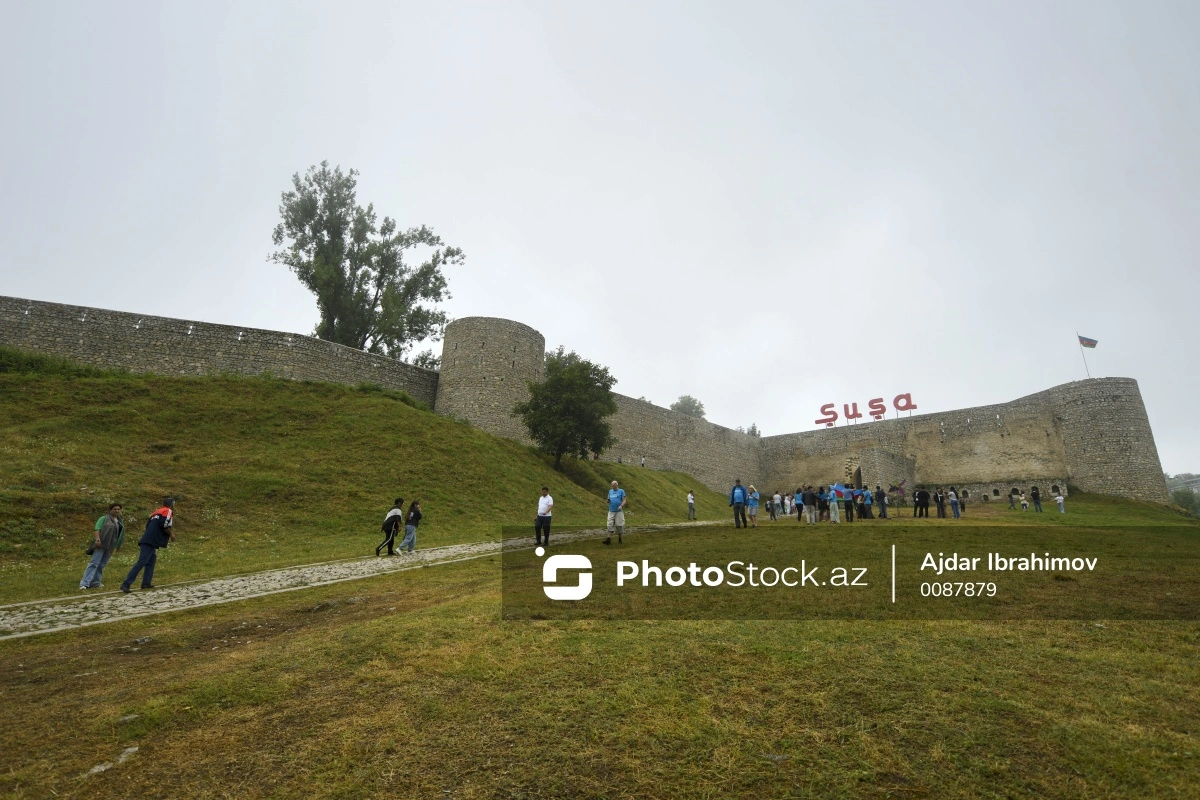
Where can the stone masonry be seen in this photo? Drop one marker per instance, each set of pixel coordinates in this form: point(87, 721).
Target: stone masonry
point(1093, 433)
point(165, 346)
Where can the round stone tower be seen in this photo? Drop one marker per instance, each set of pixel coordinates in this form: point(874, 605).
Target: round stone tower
point(487, 364)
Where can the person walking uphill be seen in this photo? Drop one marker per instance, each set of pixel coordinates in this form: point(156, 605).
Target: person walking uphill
point(391, 526)
point(108, 540)
point(410, 527)
point(691, 505)
point(542, 523)
point(158, 534)
point(737, 501)
point(616, 512)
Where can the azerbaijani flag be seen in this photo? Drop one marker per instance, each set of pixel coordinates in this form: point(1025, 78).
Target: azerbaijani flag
point(838, 489)
point(1086, 342)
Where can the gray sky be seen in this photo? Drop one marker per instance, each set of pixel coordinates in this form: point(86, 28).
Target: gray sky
point(767, 206)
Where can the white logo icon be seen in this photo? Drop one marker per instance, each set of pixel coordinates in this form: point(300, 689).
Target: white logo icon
point(550, 575)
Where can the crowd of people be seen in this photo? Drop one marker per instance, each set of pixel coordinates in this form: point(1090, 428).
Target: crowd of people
point(835, 502)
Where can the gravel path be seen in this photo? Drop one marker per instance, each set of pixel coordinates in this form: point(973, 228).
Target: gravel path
point(94, 608)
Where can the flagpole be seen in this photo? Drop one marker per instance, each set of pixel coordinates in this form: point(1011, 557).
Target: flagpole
point(1085, 366)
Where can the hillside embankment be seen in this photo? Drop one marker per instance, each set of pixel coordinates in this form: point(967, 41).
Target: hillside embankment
point(266, 473)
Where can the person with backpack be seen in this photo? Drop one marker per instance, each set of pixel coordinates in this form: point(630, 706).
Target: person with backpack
point(160, 532)
point(391, 526)
point(108, 536)
point(410, 527)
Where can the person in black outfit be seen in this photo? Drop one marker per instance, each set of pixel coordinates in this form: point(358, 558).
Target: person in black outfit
point(923, 503)
point(391, 526)
point(160, 531)
point(939, 499)
point(881, 502)
point(848, 496)
point(1036, 496)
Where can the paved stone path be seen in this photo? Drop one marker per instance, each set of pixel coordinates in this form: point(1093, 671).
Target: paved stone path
point(94, 608)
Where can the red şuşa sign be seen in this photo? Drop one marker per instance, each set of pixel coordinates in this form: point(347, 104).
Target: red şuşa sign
point(875, 408)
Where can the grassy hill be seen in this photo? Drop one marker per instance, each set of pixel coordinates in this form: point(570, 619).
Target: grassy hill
point(266, 473)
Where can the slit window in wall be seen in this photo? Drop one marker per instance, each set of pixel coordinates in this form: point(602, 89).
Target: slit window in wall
point(514, 364)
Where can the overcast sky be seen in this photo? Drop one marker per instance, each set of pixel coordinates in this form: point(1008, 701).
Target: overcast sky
point(767, 206)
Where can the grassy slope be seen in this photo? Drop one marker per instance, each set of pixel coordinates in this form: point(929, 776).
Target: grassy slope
point(415, 688)
point(267, 473)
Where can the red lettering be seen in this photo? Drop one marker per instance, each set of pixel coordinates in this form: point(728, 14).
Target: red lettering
point(828, 416)
point(908, 403)
point(851, 411)
point(877, 408)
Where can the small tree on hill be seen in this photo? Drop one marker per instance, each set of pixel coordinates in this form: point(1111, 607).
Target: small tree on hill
point(1186, 498)
point(368, 296)
point(686, 404)
point(566, 411)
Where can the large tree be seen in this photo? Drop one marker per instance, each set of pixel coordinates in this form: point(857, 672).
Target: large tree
point(566, 411)
point(368, 295)
point(686, 404)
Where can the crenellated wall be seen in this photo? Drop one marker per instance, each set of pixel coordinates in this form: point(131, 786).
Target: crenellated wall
point(1093, 433)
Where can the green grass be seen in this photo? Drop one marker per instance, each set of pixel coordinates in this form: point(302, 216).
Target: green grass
point(409, 685)
point(266, 473)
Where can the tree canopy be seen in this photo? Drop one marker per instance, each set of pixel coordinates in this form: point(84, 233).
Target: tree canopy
point(566, 411)
point(686, 404)
point(369, 297)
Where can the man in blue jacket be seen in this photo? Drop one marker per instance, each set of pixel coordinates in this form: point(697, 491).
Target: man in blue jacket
point(737, 499)
point(159, 533)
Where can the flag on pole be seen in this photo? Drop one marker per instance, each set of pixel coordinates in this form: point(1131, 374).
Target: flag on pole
point(1086, 342)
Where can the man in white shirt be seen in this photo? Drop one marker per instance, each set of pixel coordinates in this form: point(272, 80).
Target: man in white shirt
point(542, 523)
point(691, 505)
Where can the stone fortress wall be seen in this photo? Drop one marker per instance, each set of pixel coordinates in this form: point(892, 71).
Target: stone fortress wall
point(166, 346)
point(1093, 433)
